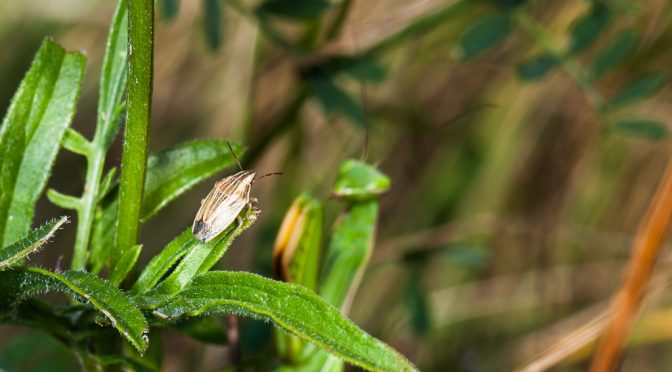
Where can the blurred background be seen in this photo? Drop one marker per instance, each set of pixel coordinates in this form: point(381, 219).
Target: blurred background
point(524, 140)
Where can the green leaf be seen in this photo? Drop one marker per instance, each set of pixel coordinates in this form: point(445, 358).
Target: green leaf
point(102, 236)
point(212, 23)
point(62, 200)
point(362, 68)
point(641, 128)
point(15, 252)
point(106, 184)
point(294, 9)
point(163, 262)
point(31, 133)
point(483, 35)
point(417, 302)
point(537, 67)
point(358, 181)
point(200, 257)
point(335, 100)
point(173, 171)
point(75, 142)
point(615, 53)
point(206, 329)
point(348, 254)
point(588, 28)
point(170, 9)
point(367, 70)
point(296, 255)
point(125, 264)
point(643, 87)
point(106, 298)
point(113, 77)
point(292, 307)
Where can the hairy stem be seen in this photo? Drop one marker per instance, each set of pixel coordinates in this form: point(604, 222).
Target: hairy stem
point(134, 154)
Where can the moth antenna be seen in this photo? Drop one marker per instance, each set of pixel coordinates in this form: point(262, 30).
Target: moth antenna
point(234, 155)
point(268, 174)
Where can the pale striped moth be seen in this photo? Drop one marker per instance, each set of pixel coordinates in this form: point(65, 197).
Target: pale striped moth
point(224, 203)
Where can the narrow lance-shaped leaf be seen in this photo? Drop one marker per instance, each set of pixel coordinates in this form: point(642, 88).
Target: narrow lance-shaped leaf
point(30, 243)
point(293, 9)
point(173, 171)
point(125, 264)
point(334, 99)
point(537, 67)
point(588, 28)
point(348, 254)
point(641, 128)
point(106, 298)
point(296, 259)
point(296, 253)
point(351, 243)
point(113, 77)
point(614, 53)
point(643, 87)
point(31, 132)
point(212, 23)
point(292, 307)
point(170, 174)
point(170, 8)
point(483, 35)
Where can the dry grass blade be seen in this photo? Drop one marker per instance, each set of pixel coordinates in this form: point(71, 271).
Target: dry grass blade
point(578, 343)
point(627, 302)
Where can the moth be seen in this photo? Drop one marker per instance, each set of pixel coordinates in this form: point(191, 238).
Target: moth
point(224, 203)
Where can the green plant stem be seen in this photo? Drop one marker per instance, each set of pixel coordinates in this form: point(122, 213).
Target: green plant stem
point(136, 139)
point(575, 71)
point(112, 86)
point(94, 169)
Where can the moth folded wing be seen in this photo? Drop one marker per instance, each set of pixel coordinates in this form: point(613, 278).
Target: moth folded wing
point(223, 217)
point(200, 230)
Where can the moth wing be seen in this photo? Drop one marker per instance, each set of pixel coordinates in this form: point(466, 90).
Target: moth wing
point(226, 213)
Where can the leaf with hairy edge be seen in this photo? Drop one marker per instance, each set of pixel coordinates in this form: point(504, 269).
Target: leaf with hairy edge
point(173, 171)
point(292, 307)
point(30, 243)
point(106, 298)
point(125, 264)
point(31, 132)
point(163, 262)
point(200, 257)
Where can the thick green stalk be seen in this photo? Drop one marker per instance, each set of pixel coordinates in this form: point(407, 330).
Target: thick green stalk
point(134, 154)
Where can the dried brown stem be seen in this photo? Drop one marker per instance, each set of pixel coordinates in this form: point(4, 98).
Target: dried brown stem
point(627, 302)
